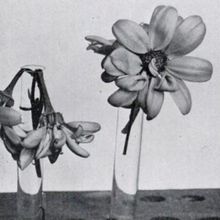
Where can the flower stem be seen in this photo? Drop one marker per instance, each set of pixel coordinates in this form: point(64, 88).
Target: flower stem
point(134, 112)
point(10, 87)
point(41, 83)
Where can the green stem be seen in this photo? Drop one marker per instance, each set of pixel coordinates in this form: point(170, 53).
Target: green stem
point(10, 87)
point(127, 129)
point(41, 83)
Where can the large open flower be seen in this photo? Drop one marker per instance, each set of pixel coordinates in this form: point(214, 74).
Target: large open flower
point(150, 61)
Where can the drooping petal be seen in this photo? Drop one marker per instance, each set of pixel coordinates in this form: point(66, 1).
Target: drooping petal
point(122, 98)
point(107, 78)
point(74, 147)
point(88, 127)
point(131, 83)
point(110, 68)
point(98, 40)
point(131, 35)
point(84, 139)
point(167, 84)
point(25, 158)
point(142, 96)
point(9, 116)
point(126, 61)
point(162, 27)
point(154, 100)
point(190, 68)
point(34, 138)
point(188, 35)
point(11, 135)
point(182, 98)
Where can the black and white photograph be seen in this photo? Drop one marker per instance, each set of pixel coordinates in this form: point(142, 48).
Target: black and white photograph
point(109, 110)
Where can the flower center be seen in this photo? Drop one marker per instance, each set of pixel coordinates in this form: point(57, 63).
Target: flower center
point(160, 60)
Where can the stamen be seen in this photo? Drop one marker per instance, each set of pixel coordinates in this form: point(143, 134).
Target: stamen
point(153, 69)
point(159, 62)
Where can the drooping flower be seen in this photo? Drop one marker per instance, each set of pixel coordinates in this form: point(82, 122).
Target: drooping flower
point(150, 60)
point(50, 132)
point(53, 133)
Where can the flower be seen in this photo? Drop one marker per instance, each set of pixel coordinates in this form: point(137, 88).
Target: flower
point(150, 60)
point(52, 134)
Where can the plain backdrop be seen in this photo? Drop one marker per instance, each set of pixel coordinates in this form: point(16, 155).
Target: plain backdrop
point(178, 151)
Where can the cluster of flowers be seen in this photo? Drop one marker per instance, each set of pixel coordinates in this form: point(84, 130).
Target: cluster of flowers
point(49, 136)
point(147, 60)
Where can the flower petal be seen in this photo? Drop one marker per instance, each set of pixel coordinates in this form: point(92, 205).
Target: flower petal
point(167, 84)
point(179, 20)
point(154, 100)
point(122, 98)
point(190, 68)
point(145, 27)
point(107, 78)
point(182, 98)
point(157, 9)
point(26, 157)
point(126, 61)
point(142, 96)
point(131, 83)
point(9, 116)
point(131, 35)
point(162, 27)
point(110, 68)
point(85, 138)
point(188, 35)
point(88, 127)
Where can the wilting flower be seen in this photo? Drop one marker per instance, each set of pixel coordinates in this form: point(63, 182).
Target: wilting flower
point(150, 60)
point(53, 133)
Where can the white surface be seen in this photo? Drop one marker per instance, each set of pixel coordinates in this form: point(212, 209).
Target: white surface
point(178, 152)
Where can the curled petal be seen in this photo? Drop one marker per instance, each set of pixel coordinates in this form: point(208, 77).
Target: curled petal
point(122, 98)
point(88, 127)
point(182, 98)
point(131, 83)
point(34, 138)
point(12, 135)
point(20, 131)
point(9, 116)
point(188, 35)
point(162, 27)
point(107, 78)
point(99, 45)
point(85, 138)
point(167, 84)
point(74, 147)
point(125, 61)
point(98, 40)
point(13, 149)
point(26, 157)
point(190, 69)
point(110, 67)
point(79, 131)
point(131, 35)
point(44, 146)
point(154, 100)
point(59, 138)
